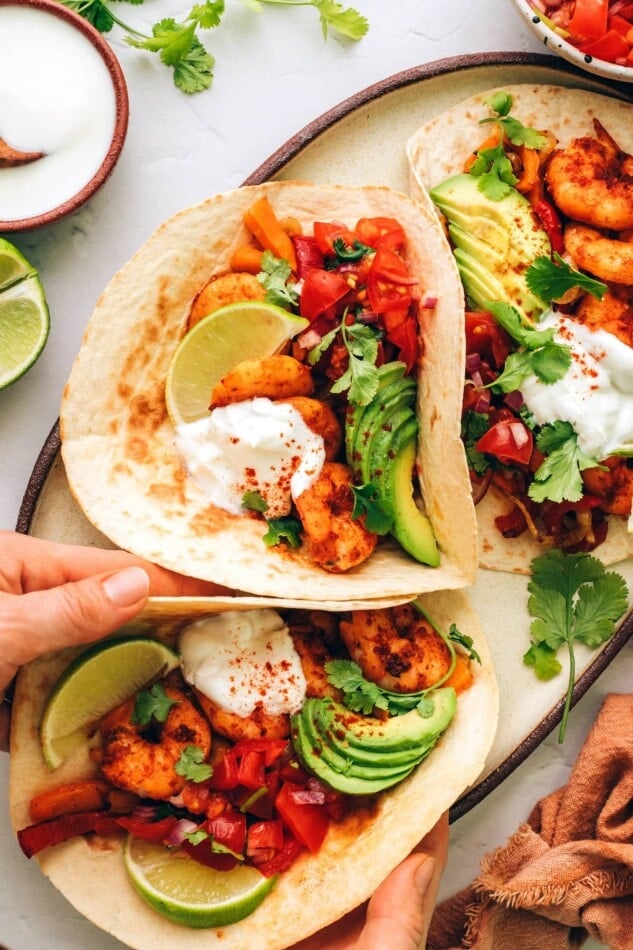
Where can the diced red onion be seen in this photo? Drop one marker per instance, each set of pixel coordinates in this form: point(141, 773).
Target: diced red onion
point(182, 828)
point(480, 488)
point(309, 338)
point(146, 812)
point(368, 316)
point(477, 377)
point(177, 801)
point(308, 796)
point(429, 301)
point(483, 401)
point(513, 400)
point(473, 362)
point(519, 433)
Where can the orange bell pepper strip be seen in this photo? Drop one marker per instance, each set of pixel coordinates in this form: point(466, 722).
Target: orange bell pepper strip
point(491, 142)
point(530, 163)
point(89, 795)
point(261, 221)
point(247, 258)
point(462, 676)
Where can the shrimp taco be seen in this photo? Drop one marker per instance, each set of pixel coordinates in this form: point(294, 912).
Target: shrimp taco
point(302, 439)
point(540, 218)
point(306, 785)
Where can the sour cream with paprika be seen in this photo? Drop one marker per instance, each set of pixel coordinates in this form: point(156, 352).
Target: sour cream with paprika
point(252, 446)
point(241, 658)
point(596, 393)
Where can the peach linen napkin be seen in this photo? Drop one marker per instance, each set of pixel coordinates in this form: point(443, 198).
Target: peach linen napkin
point(567, 873)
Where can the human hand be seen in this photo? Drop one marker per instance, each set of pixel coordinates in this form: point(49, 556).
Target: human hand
point(57, 595)
point(399, 913)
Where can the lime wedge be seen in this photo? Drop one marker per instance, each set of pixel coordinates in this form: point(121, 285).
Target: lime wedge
point(24, 326)
point(96, 681)
point(189, 893)
point(239, 331)
point(13, 265)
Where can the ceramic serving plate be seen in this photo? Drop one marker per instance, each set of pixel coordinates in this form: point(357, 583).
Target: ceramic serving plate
point(362, 141)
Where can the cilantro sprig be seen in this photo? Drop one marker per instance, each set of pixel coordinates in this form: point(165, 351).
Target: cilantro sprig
point(367, 501)
point(551, 279)
point(492, 167)
point(152, 703)
point(539, 354)
point(177, 42)
point(274, 278)
point(192, 766)
point(573, 599)
point(558, 477)
point(361, 376)
point(283, 531)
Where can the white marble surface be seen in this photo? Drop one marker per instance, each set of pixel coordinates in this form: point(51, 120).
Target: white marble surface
point(273, 75)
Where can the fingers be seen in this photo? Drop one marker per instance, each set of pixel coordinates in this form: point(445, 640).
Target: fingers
point(73, 613)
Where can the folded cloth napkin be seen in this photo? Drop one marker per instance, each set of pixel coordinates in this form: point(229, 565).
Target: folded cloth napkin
point(568, 872)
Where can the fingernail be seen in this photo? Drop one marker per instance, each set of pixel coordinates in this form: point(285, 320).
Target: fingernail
point(126, 587)
point(424, 874)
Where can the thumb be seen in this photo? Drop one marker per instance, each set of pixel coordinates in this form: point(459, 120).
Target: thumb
point(399, 912)
point(73, 613)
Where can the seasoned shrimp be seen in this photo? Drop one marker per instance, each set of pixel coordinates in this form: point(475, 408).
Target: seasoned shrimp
point(613, 313)
point(591, 180)
point(142, 758)
point(614, 487)
point(333, 539)
point(396, 648)
point(313, 654)
point(320, 417)
point(604, 257)
point(277, 377)
point(223, 290)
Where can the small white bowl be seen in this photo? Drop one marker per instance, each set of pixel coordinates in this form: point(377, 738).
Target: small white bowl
point(71, 105)
point(554, 42)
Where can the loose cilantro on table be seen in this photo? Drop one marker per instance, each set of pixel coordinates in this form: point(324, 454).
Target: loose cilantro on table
point(274, 278)
point(573, 598)
point(192, 766)
point(551, 279)
point(179, 47)
point(368, 502)
point(283, 531)
point(492, 166)
point(153, 703)
point(558, 477)
point(541, 355)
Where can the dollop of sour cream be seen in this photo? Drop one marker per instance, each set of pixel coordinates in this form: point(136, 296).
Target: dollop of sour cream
point(241, 658)
point(252, 446)
point(56, 97)
point(596, 393)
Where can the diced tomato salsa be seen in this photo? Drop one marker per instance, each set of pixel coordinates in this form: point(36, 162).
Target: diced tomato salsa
point(602, 29)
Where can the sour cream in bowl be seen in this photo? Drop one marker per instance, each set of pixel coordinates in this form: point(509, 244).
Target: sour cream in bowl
point(63, 120)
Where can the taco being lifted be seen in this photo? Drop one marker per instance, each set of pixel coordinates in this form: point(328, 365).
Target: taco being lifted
point(333, 470)
point(310, 782)
point(540, 216)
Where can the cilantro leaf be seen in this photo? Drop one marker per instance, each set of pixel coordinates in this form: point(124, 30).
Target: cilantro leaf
point(283, 531)
point(194, 72)
point(551, 279)
point(515, 131)
point(558, 477)
point(493, 169)
point(464, 641)
point(344, 20)
point(208, 14)
point(153, 703)
point(474, 425)
point(360, 694)
point(254, 501)
point(542, 355)
point(317, 351)
point(572, 597)
point(94, 11)
point(192, 766)
point(361, 375)
point(367, 502)
point(274, 278)
point(197, 836)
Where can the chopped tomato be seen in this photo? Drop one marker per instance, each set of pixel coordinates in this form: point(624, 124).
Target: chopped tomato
point(283, 859)
point(157, 831)
point(265, 835)
point(228, 829)
point(321, 290)
point(308, 822)
point(309, 256)
point(512, 523)
point(611, 47)
point(509, 440)
point(204, 854)
point(250, 769)
point(589, 19)
point(381, 232)
point(271, 749)
point(325, 234)
point(389, 284)
point(405, 337)
point(486, 337)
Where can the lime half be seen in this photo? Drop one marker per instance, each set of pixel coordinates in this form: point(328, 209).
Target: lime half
point(189, 893)
point(94, 683)
point(24, 318)
point(239, 331)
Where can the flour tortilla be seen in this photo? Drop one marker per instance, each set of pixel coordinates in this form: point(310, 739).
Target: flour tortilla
point(118, 443)
point(436, 151)
point(356, 856)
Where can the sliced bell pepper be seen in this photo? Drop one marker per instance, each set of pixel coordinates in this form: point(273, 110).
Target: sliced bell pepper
point(45, 834)
point(261, 221)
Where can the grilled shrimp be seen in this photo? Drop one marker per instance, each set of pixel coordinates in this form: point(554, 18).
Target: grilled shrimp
point(142, 758)
point(321, 418)
point(396, 648)
point(277, 377)
point(313, 654)
point(604, 257)
point(223, 290)
point(613, 313)
point(591, 180)
point(614, 487)
point(333, 539)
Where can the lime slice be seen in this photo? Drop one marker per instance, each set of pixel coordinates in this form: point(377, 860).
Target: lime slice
point(187, 892)
point(239, 331)
point(13, 265)
point(24, 326)
point(94, 683)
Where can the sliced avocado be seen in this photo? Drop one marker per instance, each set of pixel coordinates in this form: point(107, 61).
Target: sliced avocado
point(401, 732)
point(394, 432)
point(387, 373)
point(411, 527)
point(378, 417)
point(498, 238)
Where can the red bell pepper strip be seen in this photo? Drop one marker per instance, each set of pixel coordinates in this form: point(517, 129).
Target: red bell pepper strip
point(551, 223)
point(45, 834)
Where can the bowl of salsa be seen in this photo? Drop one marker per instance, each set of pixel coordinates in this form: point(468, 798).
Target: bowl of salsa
point(64, 119)
point(595, 35)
